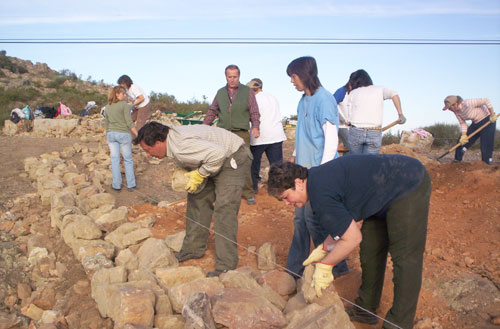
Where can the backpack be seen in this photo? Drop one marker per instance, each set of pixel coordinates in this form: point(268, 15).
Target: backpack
point(27, 112)
point(63, 110)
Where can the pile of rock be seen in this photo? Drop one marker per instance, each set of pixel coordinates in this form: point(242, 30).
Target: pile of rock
point(135, 278)
point(72, 126)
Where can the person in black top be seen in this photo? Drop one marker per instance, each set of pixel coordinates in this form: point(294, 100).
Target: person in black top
point(390, 193)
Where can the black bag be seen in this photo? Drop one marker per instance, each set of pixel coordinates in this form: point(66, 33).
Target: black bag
point(14, 117)
point(48, 112)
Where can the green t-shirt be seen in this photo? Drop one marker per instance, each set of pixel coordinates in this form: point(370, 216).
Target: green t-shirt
point(118, 117)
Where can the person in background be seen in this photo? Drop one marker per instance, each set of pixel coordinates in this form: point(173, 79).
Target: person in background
point(480, 111)
point(236, 107)
point(391, 194)
point(141, 107)
point(271, 135)
point(119, 124)
point(367, 110)
point(220, 160)
point(316, 141)
point(342, 98)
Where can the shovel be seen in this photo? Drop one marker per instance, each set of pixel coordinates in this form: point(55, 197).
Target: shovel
point(458, 145)
point(390, 125)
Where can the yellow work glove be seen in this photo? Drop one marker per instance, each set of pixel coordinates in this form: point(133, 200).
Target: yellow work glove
point(493, 118)
point(322, 277)
point(195, 180)
point(463, 140)
point(317, 254)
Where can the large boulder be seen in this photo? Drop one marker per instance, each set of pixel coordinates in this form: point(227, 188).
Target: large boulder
point(54, 126)
point(243, 309)
point(236, 279)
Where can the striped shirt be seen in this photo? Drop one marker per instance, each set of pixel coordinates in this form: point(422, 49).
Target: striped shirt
point(253, 108)
point(475, 109)
point(200, 146)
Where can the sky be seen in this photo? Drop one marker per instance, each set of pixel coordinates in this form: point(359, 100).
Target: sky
point(422, 75)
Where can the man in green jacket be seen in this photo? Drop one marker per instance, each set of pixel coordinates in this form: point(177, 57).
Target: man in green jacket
point(235, 106)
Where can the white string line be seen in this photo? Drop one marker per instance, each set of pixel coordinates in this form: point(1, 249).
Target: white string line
point(257, 254)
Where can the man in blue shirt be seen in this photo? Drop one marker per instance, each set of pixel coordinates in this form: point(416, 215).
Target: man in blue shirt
point(390, 193)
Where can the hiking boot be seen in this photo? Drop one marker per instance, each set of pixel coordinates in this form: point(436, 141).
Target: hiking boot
point(215, 273)
point(359, 315)
point(183, 256)
point(131, 189)
point(251, 200)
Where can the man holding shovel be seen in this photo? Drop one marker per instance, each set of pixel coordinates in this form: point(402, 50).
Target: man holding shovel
point(391, 193)
point(220, 160)
point(480, 111)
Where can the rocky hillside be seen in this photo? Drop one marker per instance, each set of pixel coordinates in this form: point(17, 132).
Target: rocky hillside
point(24, 83)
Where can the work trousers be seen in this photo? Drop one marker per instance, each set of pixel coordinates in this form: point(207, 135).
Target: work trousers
point(141, 115)
point(221, 198)
point(487, 140)
point(401, 232)
point(274, 153)
point(248, 191)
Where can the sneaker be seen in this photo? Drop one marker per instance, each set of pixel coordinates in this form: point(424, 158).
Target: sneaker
point(251, 200)
point(131, 189)
point(359, 315)
point(183, 256)
point(215, 273)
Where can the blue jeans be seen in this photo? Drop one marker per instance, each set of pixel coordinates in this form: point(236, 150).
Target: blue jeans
point(274, 153)
point(487, 137)
point(364, 141)
point(121, 142)
point(305, 228)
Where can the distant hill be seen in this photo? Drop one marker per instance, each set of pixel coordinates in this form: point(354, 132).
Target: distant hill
point(24, 83)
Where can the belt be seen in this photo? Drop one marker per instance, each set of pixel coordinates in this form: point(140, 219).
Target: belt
point(377, 128)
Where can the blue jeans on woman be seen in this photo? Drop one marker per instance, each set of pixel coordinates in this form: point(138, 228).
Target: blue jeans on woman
point(117, 142)
point(305, 228)
point(364, 141)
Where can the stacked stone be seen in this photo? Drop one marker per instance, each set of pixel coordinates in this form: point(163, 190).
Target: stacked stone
point(135, 278)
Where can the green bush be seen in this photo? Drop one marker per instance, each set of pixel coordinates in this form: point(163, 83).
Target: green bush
point(446, 135)
point(389, 138)
point(168, 103)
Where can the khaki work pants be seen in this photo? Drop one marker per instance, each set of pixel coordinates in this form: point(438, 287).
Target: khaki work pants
point(221, 198)
point(248, 191)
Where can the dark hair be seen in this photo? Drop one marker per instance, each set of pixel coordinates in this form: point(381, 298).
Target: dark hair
point(151, 133)
point(282, 177)
point(232, 67)
point(307, 70)
point(360, 78)
point(126, 80)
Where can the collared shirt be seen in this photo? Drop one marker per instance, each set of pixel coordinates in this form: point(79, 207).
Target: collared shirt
point(200, 146)
point(253, 108)
point(475, 109)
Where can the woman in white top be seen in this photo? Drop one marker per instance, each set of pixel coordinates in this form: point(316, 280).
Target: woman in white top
point(141, 107)
point(367, 109)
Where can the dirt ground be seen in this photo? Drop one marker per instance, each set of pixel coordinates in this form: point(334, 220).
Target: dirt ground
point(461, 279)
